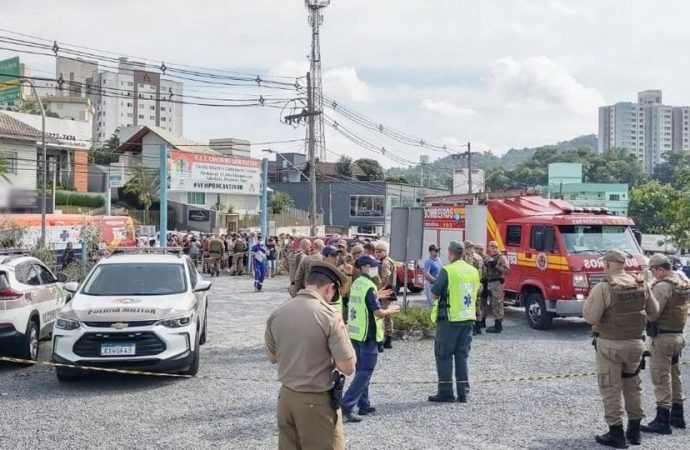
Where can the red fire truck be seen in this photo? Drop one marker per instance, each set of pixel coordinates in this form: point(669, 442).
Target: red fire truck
point(553, 247)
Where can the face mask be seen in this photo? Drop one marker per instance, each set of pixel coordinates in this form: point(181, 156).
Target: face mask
point(373, 272)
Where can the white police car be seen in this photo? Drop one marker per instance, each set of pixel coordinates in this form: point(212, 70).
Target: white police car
point(30, 297)
point(139, 311)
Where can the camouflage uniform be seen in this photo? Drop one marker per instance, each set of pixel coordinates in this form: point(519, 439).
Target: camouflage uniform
point(496, 269)
point(386, 280)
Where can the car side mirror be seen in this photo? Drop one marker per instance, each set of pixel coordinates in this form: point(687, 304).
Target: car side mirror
point(202, 286)
point(62, 277)
point(72, 287)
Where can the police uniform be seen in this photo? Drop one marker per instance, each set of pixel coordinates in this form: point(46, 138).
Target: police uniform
point(618, 308)
point(366, 333)
point(303, 267)
point(476, 261)
point(216, 250)
point(386, 280)
point(305, 336)
point(293, 263)
point(665, 346)
point(497, 267)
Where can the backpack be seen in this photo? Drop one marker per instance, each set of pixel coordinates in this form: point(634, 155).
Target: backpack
point(240, 246)
point(293, 263)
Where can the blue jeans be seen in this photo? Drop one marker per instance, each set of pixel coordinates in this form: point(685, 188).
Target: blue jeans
point(358, 393)
point(452, 345)
point(429, 296)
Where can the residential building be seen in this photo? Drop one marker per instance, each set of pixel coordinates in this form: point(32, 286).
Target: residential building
point(231, 147)
point(566, 183)
point(67, 145)
point(293, 168)
point(70, 107)
point(362, 207)
point(18, 149)
point(647, 128)
point(127, 96)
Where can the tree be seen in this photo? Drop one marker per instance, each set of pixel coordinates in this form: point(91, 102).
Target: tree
point(371, 168)
point(144, 185)
point(106, 153)
point(397, 180)
point(279, 202)
point(4, 168)
point(652, 207)
point(344, 166)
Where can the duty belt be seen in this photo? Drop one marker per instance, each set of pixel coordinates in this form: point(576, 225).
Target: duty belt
point(670, 332)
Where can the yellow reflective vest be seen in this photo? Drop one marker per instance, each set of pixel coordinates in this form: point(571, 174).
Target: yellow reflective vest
point(359, 314)
point(463, 286)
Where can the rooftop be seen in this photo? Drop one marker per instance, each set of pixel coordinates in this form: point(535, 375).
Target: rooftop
point(11, 128)
point(176, 142)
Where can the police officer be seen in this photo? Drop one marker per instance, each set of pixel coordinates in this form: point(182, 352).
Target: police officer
point(454, 313)
point(476, 261)
point(293, 263)
point(303, 267)
point(618, 308)
point(483, 291)
point(216, 250)
point(365, 328)
point(331, 254)
point(308, 340)
point(496, 269)
point(666, 344)
point(386, 280)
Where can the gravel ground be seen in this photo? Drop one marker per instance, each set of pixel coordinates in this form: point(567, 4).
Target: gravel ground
point(215, 410)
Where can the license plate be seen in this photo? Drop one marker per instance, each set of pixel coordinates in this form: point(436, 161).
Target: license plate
point(118, 349)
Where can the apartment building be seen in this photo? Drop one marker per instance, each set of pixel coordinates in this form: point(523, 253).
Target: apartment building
point(647, 128)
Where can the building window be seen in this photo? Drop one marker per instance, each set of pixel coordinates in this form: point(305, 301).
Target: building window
point(129, 115)
point(196, 198)
point(11, 162)
point(513, 234)
point(163, 109)
point(152, 117)
point(367, 205)
point(153, 108)
point(141, 116)
point(163, 120)
point(614, 197)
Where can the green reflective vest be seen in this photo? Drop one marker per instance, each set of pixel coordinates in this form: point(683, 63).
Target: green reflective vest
point(358, 323)
point(337, 305)
point(463, 285)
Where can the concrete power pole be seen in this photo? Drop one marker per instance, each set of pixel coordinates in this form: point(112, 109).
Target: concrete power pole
point(312, 157)
point(315, 20)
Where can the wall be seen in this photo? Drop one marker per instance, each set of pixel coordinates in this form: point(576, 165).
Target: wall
point(25, 162)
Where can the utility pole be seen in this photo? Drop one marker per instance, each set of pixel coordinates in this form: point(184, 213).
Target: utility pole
point(468, 154)
point(315, 20)
point(163, 178)
point(312, 159)
point(264, 199)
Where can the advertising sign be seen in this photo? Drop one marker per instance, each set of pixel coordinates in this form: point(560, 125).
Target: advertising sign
point(199, 215)
point(10, 90)
point(202, 172)
point(444, 217)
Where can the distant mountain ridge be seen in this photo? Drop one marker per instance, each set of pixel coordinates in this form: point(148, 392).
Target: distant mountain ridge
point(443, 168)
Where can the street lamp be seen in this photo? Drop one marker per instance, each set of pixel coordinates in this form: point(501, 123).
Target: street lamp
point(45, 160)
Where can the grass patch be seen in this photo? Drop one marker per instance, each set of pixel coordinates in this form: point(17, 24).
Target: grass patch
point(414, 319)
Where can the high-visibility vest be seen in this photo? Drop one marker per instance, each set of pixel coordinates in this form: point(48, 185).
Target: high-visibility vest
point(358, 323)
point(463, 285)
point(337, 305)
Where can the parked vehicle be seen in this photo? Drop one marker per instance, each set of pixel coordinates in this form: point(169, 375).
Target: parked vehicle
point(143, 309)
point(553, 247)
point(30, 298)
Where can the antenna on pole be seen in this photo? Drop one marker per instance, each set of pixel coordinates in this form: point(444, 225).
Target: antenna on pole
point(315, 21)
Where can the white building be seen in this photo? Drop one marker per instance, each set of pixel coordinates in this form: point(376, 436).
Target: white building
point(647, 128)
point(70, 108)
point(128, 96)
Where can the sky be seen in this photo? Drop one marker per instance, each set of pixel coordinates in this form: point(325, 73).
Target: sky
point(500, 74)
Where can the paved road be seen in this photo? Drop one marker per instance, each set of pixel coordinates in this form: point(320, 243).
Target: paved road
point(215, 411)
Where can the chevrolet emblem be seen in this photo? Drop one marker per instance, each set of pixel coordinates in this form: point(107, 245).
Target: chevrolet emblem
point(119, 325)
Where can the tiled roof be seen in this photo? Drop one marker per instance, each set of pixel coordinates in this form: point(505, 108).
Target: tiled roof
point(175, 141)
point(12, 128)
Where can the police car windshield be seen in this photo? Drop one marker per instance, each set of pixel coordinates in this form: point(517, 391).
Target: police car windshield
point(596, 239)
point(136, 279)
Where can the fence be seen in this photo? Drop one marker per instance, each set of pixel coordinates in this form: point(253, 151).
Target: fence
point(290, 217)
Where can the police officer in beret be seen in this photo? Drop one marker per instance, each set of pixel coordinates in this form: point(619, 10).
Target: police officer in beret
point(618, 309)
point(308, 340)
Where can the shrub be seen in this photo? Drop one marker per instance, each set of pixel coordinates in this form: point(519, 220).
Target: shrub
point(414, 319)
point(86, 201)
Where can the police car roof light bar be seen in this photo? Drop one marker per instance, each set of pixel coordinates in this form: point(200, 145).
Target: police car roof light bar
point(157, 250)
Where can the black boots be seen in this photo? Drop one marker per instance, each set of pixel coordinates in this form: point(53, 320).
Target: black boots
point(438, 398)
point(497, 328)
point(476, 329)
point(482, 323)
point(661, 424)
point(388, 343)
point(677, 418)
point(614, 438)
point(633, 434)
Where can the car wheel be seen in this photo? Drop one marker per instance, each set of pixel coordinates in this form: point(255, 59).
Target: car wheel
point(535, 312)
point(66, 375)
point(194, 366)
point(202, 339)
point(29, 348)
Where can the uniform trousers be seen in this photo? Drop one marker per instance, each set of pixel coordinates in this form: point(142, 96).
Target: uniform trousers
point(388, 326)
point(451, 348)
point(306, 421)
point(668, 386)
point(357, 393)
point(496, 292)
point(613, 358)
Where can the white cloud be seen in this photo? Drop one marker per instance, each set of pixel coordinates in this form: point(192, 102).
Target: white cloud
point(541, 82)
point(445, 109)
point(344, 83)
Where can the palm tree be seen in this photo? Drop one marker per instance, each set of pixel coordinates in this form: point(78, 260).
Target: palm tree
point(145, 185)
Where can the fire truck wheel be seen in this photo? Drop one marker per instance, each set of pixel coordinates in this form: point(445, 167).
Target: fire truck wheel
point(535, 312)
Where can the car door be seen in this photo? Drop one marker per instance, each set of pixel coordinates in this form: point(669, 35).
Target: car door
point(35, 294)
point(200, 296)
point(50, 296)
